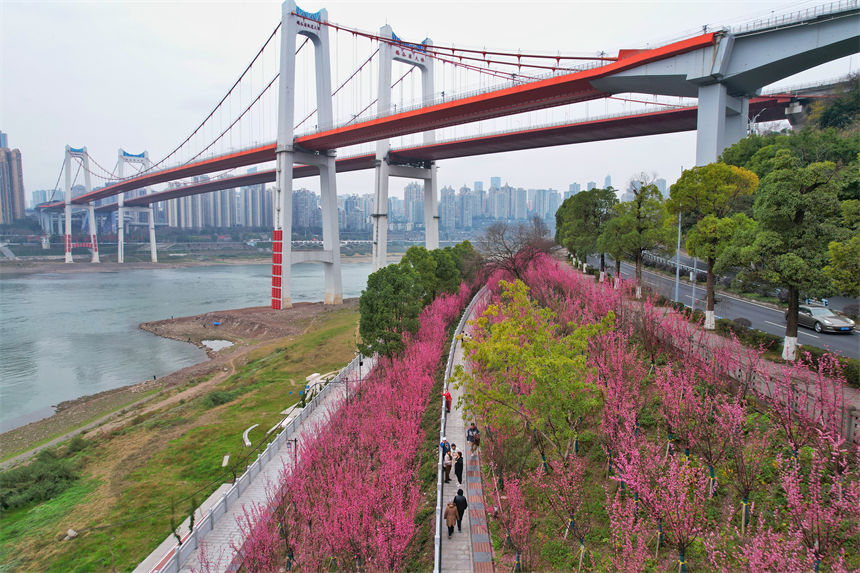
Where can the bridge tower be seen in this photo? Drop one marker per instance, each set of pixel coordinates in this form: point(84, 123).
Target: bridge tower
point(84, 158)
point(142, 159)
point(414, 55)
point(296, 22)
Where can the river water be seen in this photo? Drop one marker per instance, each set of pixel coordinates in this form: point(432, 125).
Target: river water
point(66, 335)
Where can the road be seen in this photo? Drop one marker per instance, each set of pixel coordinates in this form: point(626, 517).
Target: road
point(762, 317)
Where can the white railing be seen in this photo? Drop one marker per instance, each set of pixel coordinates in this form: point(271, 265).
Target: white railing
point(180, 553)
point(449, 367)
point(792, 18)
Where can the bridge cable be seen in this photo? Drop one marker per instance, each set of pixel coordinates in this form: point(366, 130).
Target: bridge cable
point(335, 92)
point(223, 99)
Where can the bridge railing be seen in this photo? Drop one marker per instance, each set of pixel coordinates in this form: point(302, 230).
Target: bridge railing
point(181, 553)
point(792, 18)
point(449, 367)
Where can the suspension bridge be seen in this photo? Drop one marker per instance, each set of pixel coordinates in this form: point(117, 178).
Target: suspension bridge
point(491, 101)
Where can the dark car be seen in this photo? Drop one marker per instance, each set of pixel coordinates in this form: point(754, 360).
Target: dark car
point(822, 319)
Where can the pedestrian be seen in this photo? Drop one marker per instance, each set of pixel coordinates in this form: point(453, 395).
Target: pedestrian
point(473, 436)
point(447, 395)
point(458, 467)
point(462, 504)
point(444, 445)
point(451, 517)
point(447, 462)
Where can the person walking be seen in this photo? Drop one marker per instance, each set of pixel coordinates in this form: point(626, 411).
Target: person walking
point(451, 517)
point(458, 467)
point(447, 395)
point(462, 505)
point(473, 436)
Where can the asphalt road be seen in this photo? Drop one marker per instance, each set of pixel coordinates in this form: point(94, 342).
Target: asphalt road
point(762, 317)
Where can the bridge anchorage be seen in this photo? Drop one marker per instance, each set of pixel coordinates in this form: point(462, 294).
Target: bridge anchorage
point(295, 22)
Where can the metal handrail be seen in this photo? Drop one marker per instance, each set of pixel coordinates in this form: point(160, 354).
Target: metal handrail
point(216, 512)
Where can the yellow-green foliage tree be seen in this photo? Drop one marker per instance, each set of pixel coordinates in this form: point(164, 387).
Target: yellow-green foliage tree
point(709, 194)
point(528, 381)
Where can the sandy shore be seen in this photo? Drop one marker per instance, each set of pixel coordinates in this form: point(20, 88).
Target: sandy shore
point(249, 329)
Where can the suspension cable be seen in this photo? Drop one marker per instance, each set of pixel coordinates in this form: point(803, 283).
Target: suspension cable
point(230, 91)
point(335, 92)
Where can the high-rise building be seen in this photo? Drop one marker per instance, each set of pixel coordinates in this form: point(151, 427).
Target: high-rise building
point(4, 141)
point(40, 196)
point(607, 182)
point(521, 204)
point(591, 185)
point(414, 203)
point(661, 186)
point(495, 182)
point(553, 203)
point(305, 204)
point(448, 208)
point(12, 203)
point(479, 185)
point(541, 203)
point(465, 208)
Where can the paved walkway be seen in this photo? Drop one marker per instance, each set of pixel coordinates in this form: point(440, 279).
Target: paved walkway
point(468, 551)
point(218, 543)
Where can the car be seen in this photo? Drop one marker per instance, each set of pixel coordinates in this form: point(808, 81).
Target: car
point(822, 319)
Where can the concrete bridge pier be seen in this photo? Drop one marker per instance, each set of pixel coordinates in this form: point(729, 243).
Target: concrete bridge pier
point(414, 55)
point(94, 243)
point(295, 22)
point(153, 252)
point(721, 122)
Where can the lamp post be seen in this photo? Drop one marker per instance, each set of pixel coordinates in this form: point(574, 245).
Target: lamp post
point(678, 260)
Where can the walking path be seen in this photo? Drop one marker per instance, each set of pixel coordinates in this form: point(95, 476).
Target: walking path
point(468, 551)
point(218, 543)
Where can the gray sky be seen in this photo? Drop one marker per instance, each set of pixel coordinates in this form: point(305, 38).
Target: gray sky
point(142, 75)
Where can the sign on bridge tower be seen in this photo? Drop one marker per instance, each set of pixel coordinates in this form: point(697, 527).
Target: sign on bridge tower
point(84, 158)
point(296, 22)
point(142, 159)
point(414, 55)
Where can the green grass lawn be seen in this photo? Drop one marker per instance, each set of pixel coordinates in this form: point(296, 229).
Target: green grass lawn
point(174, 454)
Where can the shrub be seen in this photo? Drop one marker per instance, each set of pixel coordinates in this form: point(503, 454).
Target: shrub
point(45, 477)
point(742, 322)
point(218, 397)
point(76, 444)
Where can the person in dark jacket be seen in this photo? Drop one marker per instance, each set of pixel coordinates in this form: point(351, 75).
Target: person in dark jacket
point(462, 504)
point(451, 517)
point(458, 466)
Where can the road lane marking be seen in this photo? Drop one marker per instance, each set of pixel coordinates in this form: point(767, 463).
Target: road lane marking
point(798, 330)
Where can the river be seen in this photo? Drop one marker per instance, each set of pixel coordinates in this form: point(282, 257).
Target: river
point(66, 335)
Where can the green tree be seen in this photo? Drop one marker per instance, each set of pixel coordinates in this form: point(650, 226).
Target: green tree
point(424, 264)
point(797, 215)
point(611, 242)
point(581, 219)
point(388, 308)
point(529, 378)
point(708, 195)
point(840, 112)
point(447, 273)
point(639, 226)
point(467, 259)
point(844, 267)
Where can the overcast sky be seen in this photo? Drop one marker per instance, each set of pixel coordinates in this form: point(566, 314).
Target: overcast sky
point(142, 75)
